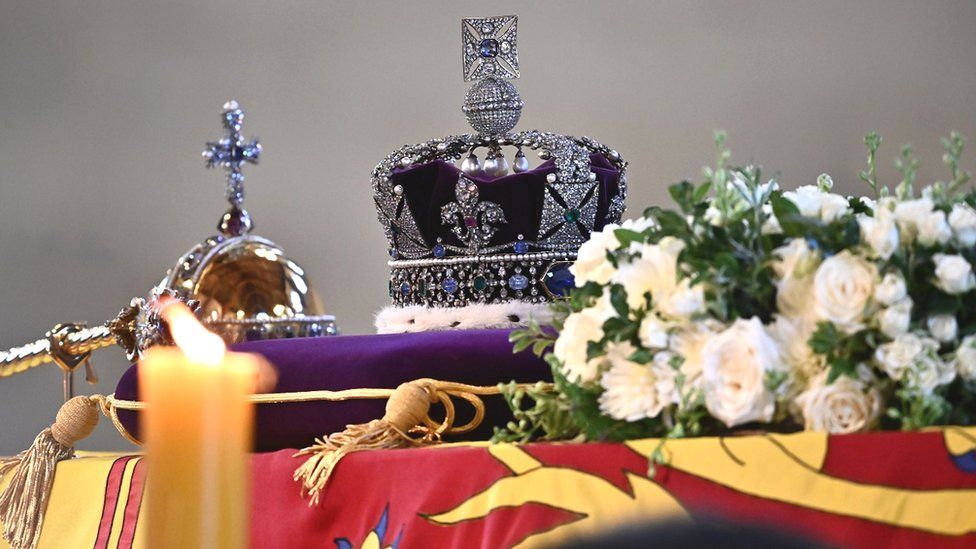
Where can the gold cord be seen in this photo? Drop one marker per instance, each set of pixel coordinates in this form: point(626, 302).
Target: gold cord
point(109, 405)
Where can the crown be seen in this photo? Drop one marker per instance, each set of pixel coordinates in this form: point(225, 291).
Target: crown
point(246, 287)
point(465, 233)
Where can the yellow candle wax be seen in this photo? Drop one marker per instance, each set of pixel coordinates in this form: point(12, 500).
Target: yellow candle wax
point(197, 427)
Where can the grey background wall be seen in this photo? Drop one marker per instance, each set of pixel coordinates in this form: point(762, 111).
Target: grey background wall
point(104, 107)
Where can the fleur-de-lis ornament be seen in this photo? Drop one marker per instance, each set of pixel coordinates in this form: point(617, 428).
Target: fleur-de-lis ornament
point(472, 221)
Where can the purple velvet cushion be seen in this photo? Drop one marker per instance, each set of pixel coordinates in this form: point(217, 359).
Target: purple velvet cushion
point(478, 357)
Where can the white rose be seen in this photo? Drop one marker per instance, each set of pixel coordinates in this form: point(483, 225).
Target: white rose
point(943, 327)
point(909, 215)
point(653, 332)
point(954, 275)
point(892, 289)
point(845, 406)
point(570, 347)
point(832, 207)
point(688, 342)
point(929, 373)
point(879, 232)
point(793, 336)
point(807, 199)
point(815, 203)
point(793, 267)
point(962, 219)
point(796, 259)
point(633, 391)
point(898, 357)
point(965, 359)
point(933, 229)
point(638, 224)
point(735, 363)
point(895, 320)
point(842, 287)
point(683, 301)
point(654, 271)
point(591, 263)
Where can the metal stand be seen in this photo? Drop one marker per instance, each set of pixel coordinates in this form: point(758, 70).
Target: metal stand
point(68, 362)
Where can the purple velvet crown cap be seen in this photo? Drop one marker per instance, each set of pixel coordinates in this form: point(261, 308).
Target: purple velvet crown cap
point(429, 187)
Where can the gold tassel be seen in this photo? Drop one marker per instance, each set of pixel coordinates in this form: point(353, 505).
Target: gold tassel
point(24, 501)
point(407, 408)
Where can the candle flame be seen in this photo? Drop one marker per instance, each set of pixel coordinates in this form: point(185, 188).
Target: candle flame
point(197, 343)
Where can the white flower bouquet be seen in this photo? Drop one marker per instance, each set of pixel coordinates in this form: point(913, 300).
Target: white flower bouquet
point(751, 307)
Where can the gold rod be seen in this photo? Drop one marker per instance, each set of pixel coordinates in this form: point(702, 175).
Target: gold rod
point(23, 358)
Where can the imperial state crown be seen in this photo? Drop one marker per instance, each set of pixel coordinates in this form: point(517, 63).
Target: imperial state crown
point(474, 237)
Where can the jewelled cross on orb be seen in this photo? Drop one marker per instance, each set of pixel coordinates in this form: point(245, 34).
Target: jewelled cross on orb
point(232, 152)
point(489, 47)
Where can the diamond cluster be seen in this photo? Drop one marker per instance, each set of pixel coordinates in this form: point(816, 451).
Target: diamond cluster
point(533, 277)
point(489, 47)
point(472, 221)
point(492, 106)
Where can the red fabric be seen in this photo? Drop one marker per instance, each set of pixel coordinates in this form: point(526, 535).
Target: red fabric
point(112, 486)
point(407, 486)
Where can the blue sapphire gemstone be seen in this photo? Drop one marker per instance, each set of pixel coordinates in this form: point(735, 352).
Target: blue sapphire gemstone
point(559, 280)
point(521, 247)
point(489, 48)
point(394, 253)
point(449, 285)
point(439, 251)
point(518, 282)
point(405, 288)
point(314, 330)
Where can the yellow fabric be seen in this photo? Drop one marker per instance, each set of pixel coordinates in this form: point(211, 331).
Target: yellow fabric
point(745, 464)
point(75, 509)
point(784, 468)
point(597, 501)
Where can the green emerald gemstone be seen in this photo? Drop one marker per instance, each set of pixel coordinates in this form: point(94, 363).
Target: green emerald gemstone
point(480, 283)
point(571, 215)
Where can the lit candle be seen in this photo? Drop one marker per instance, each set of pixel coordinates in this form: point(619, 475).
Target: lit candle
point(197, 427)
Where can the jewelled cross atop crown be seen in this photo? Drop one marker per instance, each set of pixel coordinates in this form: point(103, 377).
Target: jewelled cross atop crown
point(476, 234)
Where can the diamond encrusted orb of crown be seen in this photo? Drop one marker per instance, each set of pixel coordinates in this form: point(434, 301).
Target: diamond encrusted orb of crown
point(466, 232)
point(492, 106)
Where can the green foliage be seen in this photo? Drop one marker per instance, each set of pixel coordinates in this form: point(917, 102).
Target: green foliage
point(907, 166)
point(843, 352)
point(911, 411)
point(954, 145)
point(537, 413)
point(873, 141)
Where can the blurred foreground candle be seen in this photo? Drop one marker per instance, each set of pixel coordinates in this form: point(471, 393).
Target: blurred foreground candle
point(197, 427)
